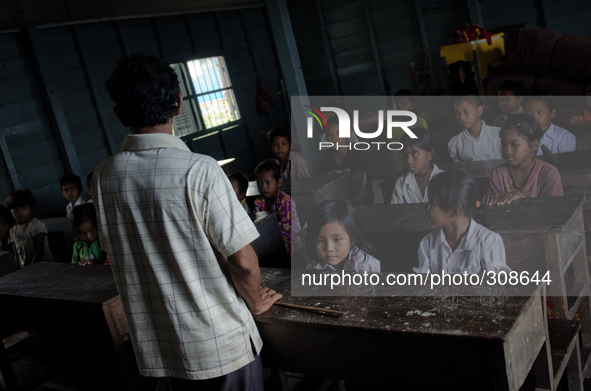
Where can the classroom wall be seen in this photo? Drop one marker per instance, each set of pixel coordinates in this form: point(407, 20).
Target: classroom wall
point(338, 34)
point(57, 117)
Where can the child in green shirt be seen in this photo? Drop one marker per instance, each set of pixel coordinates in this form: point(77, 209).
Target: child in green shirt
point(87, 249)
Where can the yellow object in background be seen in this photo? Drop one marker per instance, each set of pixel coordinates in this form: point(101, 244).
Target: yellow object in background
point(486, 53)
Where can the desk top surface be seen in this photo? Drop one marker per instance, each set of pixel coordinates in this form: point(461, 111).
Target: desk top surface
point(315, 183)
point(532, 215)
point(59, 281)
point(568, 163)
point(480, 317)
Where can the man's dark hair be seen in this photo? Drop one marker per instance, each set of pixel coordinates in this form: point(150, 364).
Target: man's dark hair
point(242, 181)
point(145, 90)
point(72, 178)
point(21, 198)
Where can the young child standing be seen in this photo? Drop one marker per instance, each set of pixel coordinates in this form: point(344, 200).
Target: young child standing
point(29, 235)
point(420, 158)
point(87, 249)
point(460, 244)
point(523, 175)
point(335, 242)
point(556, 139)
point(511, 93)
point(239, 182)
point(71, 187)
point(291, 164)
point(268, 177)
point(478, 141)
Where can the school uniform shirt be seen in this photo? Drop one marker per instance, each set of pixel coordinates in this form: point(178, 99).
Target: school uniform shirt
point(25, 244)
point(558, 140)
point(169, 219)
point(289, 222)
point(357, 261)
point(81, 200)
point(501, 118)
point(297, 167)
point(479, 250)
point(406, 189)
point(544, 181)
point(487, 146)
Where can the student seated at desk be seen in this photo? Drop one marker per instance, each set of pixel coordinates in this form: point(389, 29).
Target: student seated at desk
point(335, 241)
point(239, 182)
point(523, 175)
point(511, 94)
point(460, 244)
point(87, 249)
point(292, 165)
point(543, 108)
point(6, 223)
point(71, 187)
point(29, 236)
point(342, 158)
point(420, 158)
point(478, 141)
point(405, 100)
point(272, 199)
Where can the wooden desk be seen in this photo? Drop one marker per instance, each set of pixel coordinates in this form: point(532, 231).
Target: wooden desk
point(60, 238)
point(270, 238)
point(68, 301)
point(471, 343)
point(574, 168)
point(309, 192)
point(228, 165)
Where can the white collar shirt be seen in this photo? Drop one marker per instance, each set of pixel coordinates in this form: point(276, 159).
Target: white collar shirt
point(487, 146)
point(169, 218)
point(406, 189)
point(479, 250)
point(558, 140)
point(81, 200)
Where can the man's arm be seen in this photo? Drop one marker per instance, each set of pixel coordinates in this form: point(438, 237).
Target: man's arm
point(246, 276)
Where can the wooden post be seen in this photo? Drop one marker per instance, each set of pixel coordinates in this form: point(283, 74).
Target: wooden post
point(289, 59)
point(94, 88)
point(52, 103)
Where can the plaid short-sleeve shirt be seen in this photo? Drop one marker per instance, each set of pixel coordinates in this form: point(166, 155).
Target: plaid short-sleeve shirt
point(169, 218)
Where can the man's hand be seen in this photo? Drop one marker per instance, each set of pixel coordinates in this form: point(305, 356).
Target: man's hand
point(246, 276)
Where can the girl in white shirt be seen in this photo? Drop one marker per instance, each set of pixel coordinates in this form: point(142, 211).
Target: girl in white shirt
point(478, 141)
point(335, 241)
point(460, 244)
point(420, 158)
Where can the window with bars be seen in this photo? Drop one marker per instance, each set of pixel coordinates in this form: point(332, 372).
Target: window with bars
point(208, 98)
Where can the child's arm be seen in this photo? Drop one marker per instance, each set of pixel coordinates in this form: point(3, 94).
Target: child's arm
point(568, 143)
point(39, 243)
point(76, 254)
point(452, 147)
point(397, 197)
point(424, 264)
point(492, 256)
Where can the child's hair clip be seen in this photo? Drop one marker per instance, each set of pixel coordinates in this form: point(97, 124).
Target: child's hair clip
point(478, 204)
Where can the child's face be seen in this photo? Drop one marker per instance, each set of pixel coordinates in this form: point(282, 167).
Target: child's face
point(436, 216)
point(508, 102)
point(540, 112)
point(70, 192)
point(280, 147)
point(236, 188)
point(267, 184)
point(515, 148)
point(467, 114)
point(4, 228)
point(403, 103)
point(22, 214)
point(87, 232)
point(333, 243)
point(417, 160)
point(332, 136)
